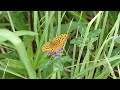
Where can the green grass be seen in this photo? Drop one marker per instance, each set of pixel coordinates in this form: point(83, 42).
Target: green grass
point(92, 50)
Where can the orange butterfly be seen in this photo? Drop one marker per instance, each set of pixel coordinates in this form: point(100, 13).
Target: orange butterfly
point(55, 44)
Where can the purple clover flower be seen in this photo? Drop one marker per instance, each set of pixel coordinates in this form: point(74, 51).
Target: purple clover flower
point(55, 54)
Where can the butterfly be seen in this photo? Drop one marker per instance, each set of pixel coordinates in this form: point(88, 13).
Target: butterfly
point(55, 44)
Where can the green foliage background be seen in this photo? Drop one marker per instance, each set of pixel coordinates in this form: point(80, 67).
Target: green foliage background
point(91, 51)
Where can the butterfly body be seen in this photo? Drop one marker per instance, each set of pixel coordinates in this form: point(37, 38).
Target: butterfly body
point(55, 44)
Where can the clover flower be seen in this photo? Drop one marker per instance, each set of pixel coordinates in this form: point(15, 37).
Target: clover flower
point(55, 54)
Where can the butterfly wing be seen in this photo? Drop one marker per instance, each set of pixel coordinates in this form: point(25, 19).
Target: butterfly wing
point(60, 40)
point(46, 47)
